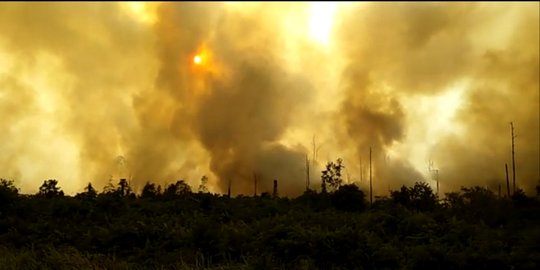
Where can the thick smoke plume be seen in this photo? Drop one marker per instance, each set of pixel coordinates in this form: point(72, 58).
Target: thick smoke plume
point(99, 91)
point(398, 56)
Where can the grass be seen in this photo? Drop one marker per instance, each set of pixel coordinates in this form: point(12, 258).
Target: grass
point(71, 259)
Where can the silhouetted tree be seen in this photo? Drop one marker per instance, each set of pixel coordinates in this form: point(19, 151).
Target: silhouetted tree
point(331, 176)
point(453, 200)
point(519, 197)
point(423, 197)
point(323, 186)
point(109, 188)
point(419, 197)
point(480, 203)
point(475, 230)
point(402, 196)
point(478, 196)
point(202, 186)
point(89, 192)
point(177, 189)
point(49, 189)
point(150, 191)
point(8, 193)
point(348, 198)
point(315, 200)
point(123, 189)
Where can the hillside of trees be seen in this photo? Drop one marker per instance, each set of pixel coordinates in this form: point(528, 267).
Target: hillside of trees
point(176, 228)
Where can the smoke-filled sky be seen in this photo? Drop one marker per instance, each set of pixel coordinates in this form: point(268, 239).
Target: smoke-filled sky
point(167, 91)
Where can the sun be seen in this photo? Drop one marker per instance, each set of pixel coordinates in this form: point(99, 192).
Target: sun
point(197, 60)
point(321, 21)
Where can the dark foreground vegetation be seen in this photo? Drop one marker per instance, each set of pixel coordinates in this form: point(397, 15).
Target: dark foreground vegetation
point(179, 229)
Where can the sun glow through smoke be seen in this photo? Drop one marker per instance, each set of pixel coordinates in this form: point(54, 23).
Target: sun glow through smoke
point(321, 21)
point(225, 89)
point(197, 59)
point(142, 11)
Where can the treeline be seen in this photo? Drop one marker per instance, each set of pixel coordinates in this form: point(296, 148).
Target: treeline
point(176, 228)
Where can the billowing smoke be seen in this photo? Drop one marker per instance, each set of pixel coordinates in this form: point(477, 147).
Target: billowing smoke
point(246, 101)
point(400, 54)
point(74, 69)
point(94, 91)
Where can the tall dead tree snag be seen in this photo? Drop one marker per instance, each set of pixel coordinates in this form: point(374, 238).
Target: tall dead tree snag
point(513, 160)
point(307, 173)
point(275, 191)
point(507, 181)
point(370, 180)
point(229, 188)
point(254, 184)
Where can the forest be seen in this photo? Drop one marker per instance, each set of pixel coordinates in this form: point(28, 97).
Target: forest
point(336, 228)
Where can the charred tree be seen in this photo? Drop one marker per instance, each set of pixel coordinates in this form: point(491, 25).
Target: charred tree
point(370, 180)
point(229, 189)
point(507, 180)
point(307, 173)
point(275, 191)
point(254, 184)
point(513, 160)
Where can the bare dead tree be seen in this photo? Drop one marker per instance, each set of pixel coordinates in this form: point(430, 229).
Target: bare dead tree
point(229, 188)
point(275, 191)
point(370, 179)
point(507, 181)
point(307, 173)
point(254, 184)
point(513, 160)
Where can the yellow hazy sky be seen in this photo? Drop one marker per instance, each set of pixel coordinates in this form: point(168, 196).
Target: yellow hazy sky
point(167, 91)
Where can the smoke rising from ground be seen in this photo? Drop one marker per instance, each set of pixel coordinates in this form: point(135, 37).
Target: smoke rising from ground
point(411, 51)
point(89, 92)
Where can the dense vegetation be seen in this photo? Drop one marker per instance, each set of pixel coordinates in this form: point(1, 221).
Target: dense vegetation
point(176, 228)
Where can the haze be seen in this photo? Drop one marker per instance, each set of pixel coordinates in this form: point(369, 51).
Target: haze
point(166, 91)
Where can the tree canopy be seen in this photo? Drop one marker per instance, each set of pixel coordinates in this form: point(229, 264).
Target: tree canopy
point(175, 228)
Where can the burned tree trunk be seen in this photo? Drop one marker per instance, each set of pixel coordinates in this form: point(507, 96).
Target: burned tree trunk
point(275, 191)
point(507, 180)
point(513, 160)
point(370, 180)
